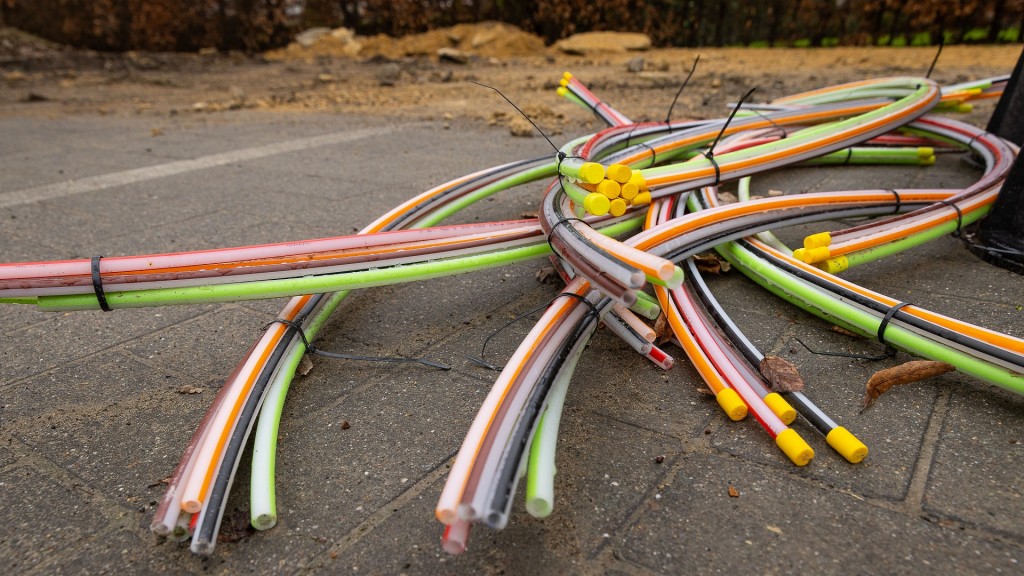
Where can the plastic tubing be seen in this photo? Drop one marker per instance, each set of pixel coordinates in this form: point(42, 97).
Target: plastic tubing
point(541, 470)
point(810, 298)
point(451, 495)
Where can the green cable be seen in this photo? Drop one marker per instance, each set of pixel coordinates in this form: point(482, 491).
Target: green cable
point(828, 306)
point(840, 263)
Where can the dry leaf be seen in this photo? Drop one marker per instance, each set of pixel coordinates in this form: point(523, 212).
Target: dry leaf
point(190, 390)
point(733, 492)
point(905, 373)
point(711, 263)
point(845, 332)
point(705, 391)
point(781, 374)
point(305, 365)
point(662, 329)
point(546, 274)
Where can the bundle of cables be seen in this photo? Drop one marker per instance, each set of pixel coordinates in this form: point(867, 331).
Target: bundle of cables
point(625, 211)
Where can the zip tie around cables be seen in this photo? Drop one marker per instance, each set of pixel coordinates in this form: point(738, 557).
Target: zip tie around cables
point(593, 309)
point(314, 350)
point(959, 216)
point(710, 154)
point(849, 154)
point(556, 225)
point(899, 201)
point(97, 284)
point(885, 320)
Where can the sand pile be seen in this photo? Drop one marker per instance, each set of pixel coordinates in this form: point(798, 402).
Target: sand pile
point(484, 39)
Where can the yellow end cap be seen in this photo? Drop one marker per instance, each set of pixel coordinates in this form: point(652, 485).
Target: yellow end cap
point(567, 75)
point(563, 83)
point(798, 254)
point(562, 91)
point(620, 173)
point(780, 407)
point(591, 172)
point(609, 188)
point(834, 265)
point(925, 151)
point(965, 107)
point(617, 207)
point(817, 240)
point(642, 198)
point(638, 179)
point(812, 255)
point(844, 442)
point(596, 204)
point(629, 191)
point(733, 405)
point(794, 447)
point(927, 161)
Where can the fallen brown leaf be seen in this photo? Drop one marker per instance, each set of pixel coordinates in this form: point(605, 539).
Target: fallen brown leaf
point(913, 371)
point(662, 329)
point(845, 332)
point(733, 492)
point(189, 390)
point(546, 274)
point(305, 365)
point(781, 374)
point(711, 263)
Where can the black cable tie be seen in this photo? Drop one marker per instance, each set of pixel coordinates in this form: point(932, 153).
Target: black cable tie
point(629, 135)
point(710, 155)
point(899, 201)
point(654, 155)
point(593, 309)
point(556, 225)
point(297, 328)
point(849, 154)
point(959, 216)
point(97, 284)
point(885, 320)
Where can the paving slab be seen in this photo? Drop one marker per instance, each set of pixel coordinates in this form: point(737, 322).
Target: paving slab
point(92, 417)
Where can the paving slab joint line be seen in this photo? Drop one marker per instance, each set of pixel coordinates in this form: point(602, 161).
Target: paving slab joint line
point(913, 502)
point(378, 518)
point(109, 509)
point(666, 479)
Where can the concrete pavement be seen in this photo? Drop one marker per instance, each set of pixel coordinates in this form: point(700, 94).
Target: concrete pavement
point(91, 418)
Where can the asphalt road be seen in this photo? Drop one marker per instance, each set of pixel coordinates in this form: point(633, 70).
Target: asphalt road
point(92, 418)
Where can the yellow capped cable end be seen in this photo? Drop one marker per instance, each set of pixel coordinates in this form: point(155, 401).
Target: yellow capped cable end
point(591, 172)
point(620, 173)
point(925, 151)
point(844, 442)
point(798, 254)
point(817, 240)
point(562, 91)
point(609, 188)
point(638, 179)
point(813, 255)
point(733, 405)
point(596, 204)
point(964, 107)
point(629, 191)
point(780, 407)
point(567, 76)
point(794, 447)
point(642, 198)
point(834, 265)
point(617, 207)
point(927, 161)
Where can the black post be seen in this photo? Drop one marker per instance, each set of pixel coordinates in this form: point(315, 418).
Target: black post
point(999, 237)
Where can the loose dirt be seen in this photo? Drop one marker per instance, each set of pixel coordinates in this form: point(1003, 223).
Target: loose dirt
point(405, 78)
